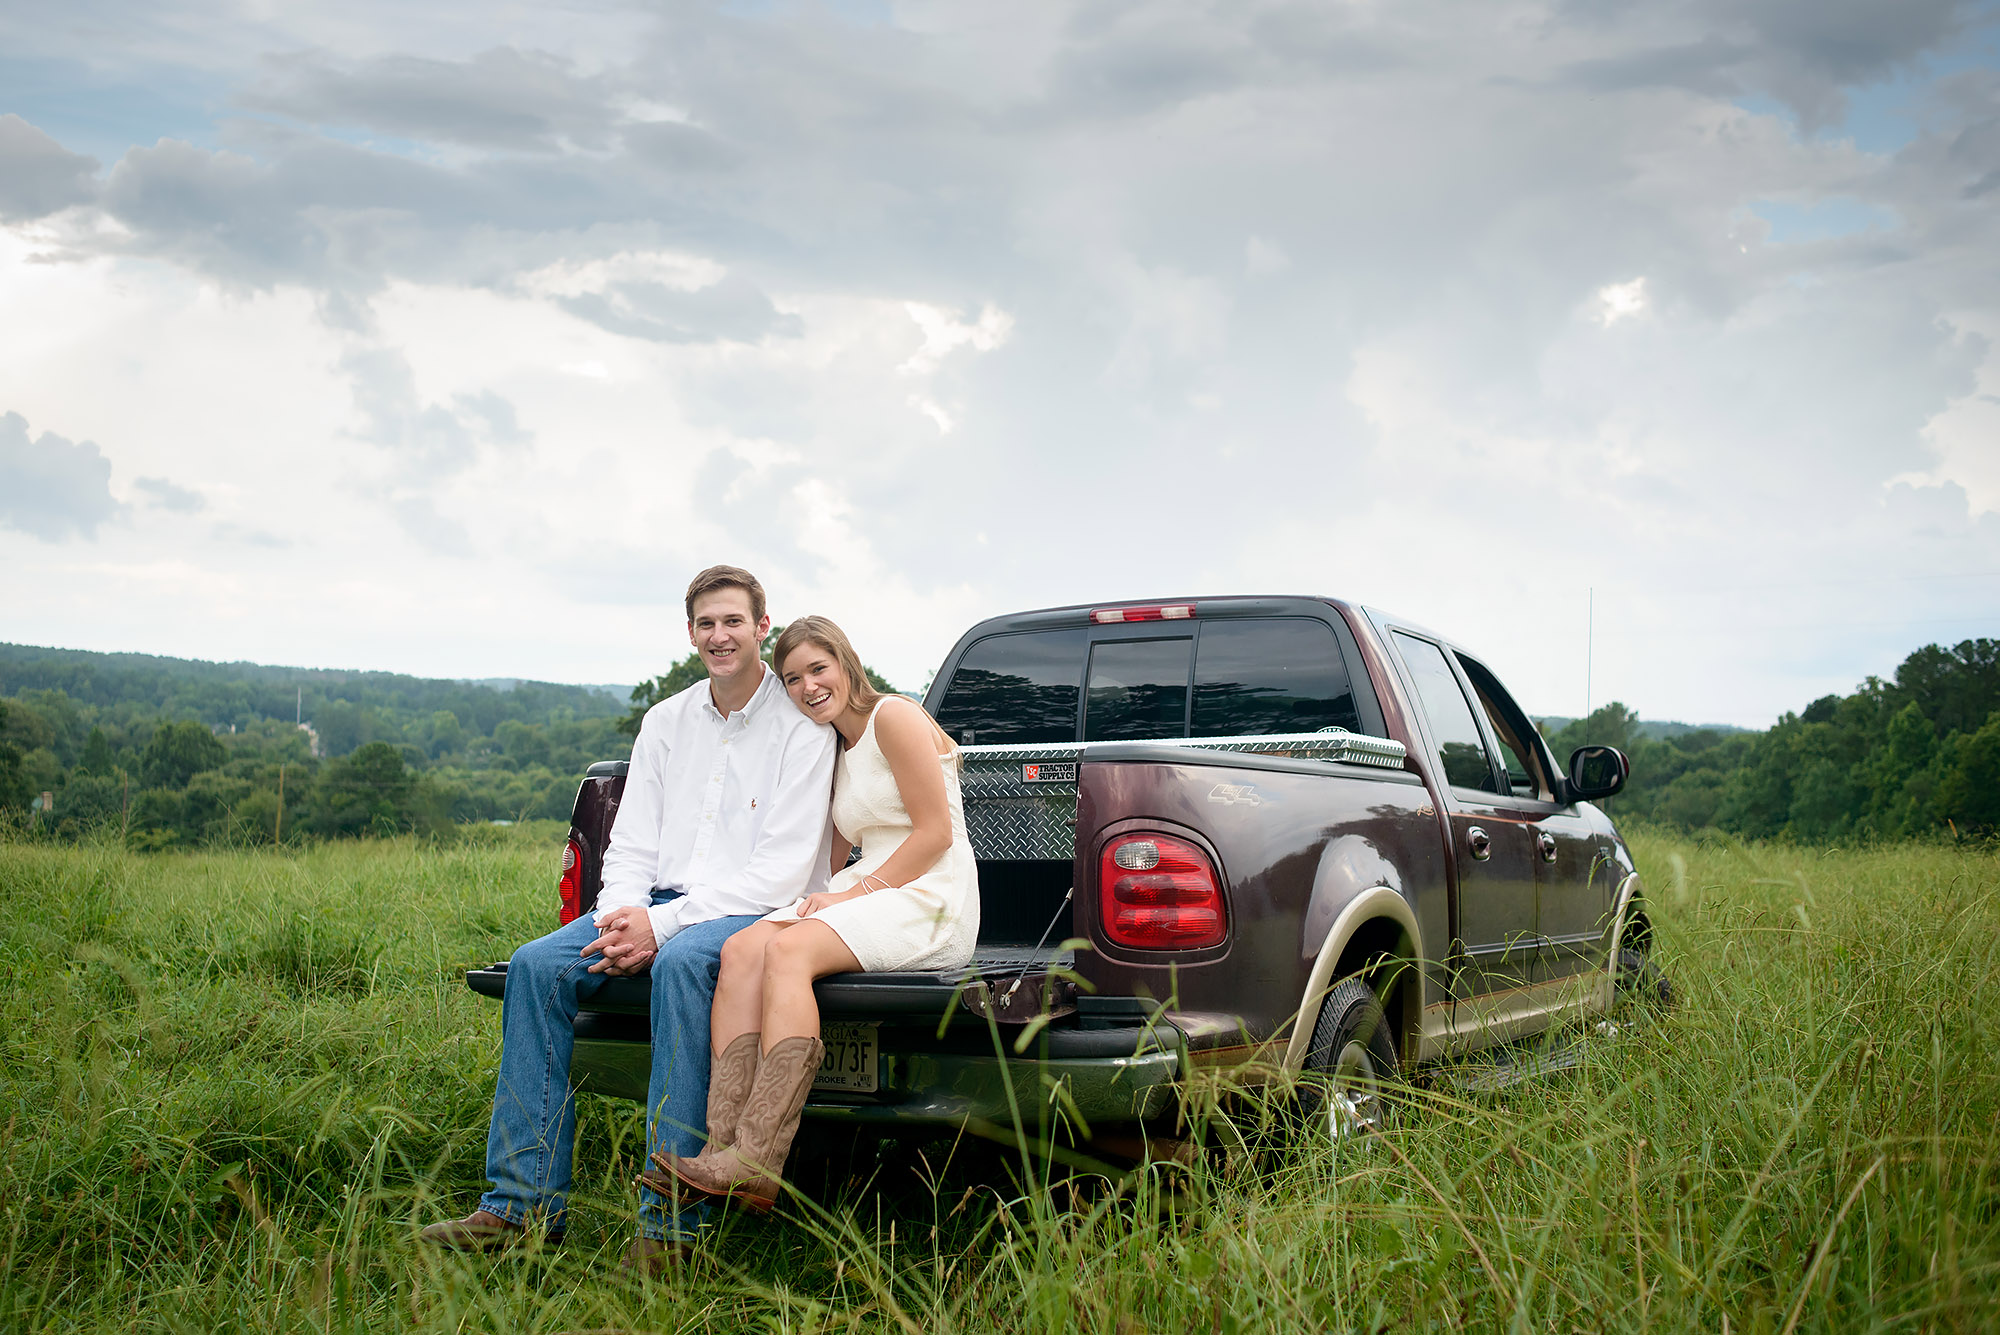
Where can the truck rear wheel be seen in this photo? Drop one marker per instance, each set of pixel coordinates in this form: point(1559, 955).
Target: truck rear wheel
point(1642, 990)
point(1349, 1065)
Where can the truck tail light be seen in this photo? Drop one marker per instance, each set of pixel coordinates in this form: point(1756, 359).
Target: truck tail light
point(1156, 892)
point(1111, 616)
point(570, 887)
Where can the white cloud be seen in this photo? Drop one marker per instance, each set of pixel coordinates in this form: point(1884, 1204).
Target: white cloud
point(1620, 301)
point(931, 410)
point(1965, 433)
point(944, 333)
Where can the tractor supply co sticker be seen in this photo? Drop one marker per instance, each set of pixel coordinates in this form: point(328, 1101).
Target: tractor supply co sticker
point(1049, 771)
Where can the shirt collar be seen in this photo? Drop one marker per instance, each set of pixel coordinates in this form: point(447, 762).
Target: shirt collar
point(765, 684)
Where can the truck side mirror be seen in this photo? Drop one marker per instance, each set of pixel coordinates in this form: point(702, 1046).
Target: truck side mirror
point(1597, 771)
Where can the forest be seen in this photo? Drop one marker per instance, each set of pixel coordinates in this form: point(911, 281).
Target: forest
point(1915, 755)
point(177, 752)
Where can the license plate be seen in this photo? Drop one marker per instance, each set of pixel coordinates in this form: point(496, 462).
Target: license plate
point(851, 1058)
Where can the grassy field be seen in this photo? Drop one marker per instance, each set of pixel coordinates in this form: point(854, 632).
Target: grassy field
point(232, 1083)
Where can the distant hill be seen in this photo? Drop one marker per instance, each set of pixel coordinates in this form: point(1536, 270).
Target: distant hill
point(347, 705)
point(1653, 729)
point(617, 692)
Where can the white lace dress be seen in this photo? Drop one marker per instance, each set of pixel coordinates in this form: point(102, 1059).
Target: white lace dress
point(930, 922)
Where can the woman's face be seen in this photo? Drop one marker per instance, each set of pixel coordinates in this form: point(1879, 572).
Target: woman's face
point(815, 682)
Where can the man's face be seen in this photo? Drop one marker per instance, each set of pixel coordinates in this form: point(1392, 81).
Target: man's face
point(724, 635)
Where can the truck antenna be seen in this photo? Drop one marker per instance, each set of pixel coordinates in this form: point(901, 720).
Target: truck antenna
point(1589, 644)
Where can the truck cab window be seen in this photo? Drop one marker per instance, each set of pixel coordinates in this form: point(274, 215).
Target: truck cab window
point(1526, 774)
point(1269, 676)
point(1016, 690)
point(1461, 753)
point(1138, 690)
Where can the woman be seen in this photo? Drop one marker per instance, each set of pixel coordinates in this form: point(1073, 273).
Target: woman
point(911, 902)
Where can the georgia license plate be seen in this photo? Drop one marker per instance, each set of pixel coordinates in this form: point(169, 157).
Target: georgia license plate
point(851, 1057)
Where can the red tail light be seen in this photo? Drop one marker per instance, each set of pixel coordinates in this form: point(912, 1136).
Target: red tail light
point(570, 887)
point(1155, 892)
point(1111, 616)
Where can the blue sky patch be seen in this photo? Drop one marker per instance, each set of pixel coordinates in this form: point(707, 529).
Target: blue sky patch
point(87, 112)
point(1821, 221)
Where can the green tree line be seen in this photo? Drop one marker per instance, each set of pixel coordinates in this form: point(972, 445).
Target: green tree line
point(177, 752)
point(1916, 755)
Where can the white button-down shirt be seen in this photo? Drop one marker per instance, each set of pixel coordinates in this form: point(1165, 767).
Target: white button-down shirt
point(731, 811)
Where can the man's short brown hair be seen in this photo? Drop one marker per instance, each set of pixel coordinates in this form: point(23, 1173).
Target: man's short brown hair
point(727, 577)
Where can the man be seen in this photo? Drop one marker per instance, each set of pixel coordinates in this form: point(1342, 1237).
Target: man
point(724, 818)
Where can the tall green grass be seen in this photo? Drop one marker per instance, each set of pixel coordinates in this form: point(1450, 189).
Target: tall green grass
point(232, 1083)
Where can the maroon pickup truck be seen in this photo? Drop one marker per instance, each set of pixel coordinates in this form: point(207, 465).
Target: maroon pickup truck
point(1257, 838)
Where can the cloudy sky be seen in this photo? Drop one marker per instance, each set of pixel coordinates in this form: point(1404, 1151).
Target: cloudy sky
point(453, 338)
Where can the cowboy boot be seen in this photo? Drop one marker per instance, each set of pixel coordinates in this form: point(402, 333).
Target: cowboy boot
point(746, 1173)
point(730, 1076)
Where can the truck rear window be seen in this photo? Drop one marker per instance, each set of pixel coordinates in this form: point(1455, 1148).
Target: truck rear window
point(1280, 675)
point(1016, 690)
point(1138, 690)
point(1251, 677)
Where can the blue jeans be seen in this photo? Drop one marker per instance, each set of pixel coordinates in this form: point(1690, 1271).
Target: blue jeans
point(534, 1114)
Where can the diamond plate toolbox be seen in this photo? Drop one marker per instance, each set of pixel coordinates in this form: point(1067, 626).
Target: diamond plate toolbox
point(1020, 801)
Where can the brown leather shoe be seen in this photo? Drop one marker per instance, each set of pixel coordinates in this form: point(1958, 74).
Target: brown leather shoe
point(653, 1258)
point(480, 1231)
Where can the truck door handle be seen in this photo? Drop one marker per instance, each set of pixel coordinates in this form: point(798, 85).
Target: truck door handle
point(1480, 843)
point(1547, 843)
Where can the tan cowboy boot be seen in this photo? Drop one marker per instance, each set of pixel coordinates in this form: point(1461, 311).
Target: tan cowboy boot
point(746, 1173)
point(730, 1075)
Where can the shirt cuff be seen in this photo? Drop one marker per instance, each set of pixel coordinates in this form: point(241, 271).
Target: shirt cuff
point(666, 920)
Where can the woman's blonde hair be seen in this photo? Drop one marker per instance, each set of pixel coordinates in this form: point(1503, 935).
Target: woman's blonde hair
point(862, 695)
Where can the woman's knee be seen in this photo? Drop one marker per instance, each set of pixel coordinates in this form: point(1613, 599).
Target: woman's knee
point(743, 953)
point(790, 953)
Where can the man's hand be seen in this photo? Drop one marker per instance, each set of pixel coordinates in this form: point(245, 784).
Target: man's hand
point(625, 940)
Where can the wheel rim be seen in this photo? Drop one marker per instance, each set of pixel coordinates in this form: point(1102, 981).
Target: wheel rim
point(1354, 1099)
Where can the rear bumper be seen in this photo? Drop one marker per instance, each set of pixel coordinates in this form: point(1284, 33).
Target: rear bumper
point(1106, 1076)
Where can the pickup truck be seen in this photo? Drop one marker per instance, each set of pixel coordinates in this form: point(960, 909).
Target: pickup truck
point(1237, 839)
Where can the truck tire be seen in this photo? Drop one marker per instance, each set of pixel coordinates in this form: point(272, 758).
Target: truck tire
point(1641, 990)
point(1349, 1065)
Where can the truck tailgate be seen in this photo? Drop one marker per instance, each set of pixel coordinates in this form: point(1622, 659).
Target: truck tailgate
point(917, 992)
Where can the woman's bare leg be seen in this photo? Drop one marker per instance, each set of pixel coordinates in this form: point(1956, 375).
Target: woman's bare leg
point(802, 952)
point(739, 987)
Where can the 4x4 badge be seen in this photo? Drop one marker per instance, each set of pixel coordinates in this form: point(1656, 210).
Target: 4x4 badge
point(1234, 794)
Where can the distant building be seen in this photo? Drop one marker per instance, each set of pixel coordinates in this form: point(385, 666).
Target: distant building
point(312, 739)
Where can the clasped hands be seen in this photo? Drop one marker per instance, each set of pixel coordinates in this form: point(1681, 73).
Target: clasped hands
point(625, 940)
